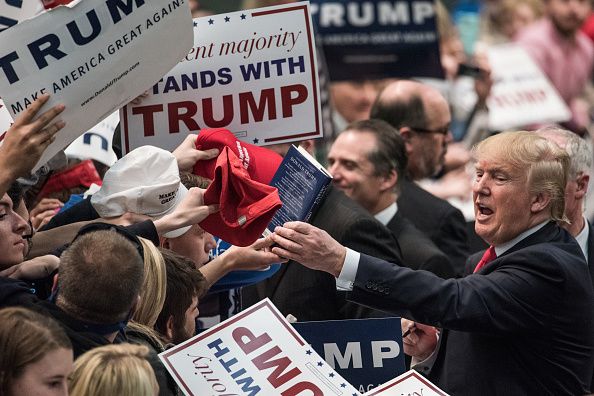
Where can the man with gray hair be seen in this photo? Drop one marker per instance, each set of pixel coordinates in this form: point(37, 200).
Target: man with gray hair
point(580, 154)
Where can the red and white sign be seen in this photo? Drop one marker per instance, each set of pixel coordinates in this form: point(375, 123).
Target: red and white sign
point(256, 352)
point(410, 383)
point(253, 72)
point(521, 94)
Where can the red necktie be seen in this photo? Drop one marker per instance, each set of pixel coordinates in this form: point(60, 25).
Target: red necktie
point(488, 256)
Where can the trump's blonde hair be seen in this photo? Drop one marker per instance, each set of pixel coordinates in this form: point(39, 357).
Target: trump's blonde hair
point(544, 164)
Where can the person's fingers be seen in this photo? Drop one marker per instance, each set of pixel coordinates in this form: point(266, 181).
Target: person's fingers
point(44, 214)
point(291, 235)
point(46, 204)
point(285, 254)
point(285, 243)
point(27, 116)
point(262, 243)
point(207, 154)
point(47, 117)
point(299, 226)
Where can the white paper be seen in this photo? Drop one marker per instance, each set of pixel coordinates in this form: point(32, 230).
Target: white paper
point(521, 94)
point(410, 383)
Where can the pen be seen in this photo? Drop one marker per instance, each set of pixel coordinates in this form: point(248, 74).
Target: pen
point(407, 332)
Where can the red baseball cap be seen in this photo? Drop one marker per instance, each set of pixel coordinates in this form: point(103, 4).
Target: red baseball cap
point(82, 174)
point(260, 162)
point(246, 205)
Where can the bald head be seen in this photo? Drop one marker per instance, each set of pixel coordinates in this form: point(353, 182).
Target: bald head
point(422, 117)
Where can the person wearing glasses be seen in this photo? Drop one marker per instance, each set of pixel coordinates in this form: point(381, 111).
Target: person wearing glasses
point(422, 117)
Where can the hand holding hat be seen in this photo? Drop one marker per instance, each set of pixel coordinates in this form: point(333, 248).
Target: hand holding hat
point(187, 155)
point(191, 210)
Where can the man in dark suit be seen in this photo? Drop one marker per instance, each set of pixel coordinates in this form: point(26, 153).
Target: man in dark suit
point(422, 117)
point(367, 161)
point(523, 322)
point(312, 295)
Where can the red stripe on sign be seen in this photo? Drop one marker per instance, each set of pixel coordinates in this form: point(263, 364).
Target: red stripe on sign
point(314, 72)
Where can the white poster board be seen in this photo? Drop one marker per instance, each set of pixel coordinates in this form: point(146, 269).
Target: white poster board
point(521, 94)
point(410, 383)
point(96, 142)
point(252, 72)
point(13, 12)
point(5, 120)
point(256, 352)
point(94, 56)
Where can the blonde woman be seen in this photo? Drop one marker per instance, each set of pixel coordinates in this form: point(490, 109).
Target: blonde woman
point(120, 369)
point(154, 285)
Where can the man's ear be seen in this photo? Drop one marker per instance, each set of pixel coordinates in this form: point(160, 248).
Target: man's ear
point(389, 181)
point(164, 242)
point(169, 328)
point(407, 134)
point(136, 304)
point(540, 202)
point(582, 185)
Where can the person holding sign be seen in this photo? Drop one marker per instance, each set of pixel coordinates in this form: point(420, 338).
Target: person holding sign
point(26, 140)
point(522, 322)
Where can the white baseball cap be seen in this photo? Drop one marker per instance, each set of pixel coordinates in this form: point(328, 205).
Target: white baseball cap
point(145, 181)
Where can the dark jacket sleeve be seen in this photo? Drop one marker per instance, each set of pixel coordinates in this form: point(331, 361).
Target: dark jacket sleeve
point(510, 299)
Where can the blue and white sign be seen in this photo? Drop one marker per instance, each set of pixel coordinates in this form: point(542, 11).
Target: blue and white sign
point(13, 12)
point(93, 56)
point(377, 39)
point(366, 352)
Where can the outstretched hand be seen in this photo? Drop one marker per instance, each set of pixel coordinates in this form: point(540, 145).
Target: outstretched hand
point(190, 211)
point(28, 137)
point(187, 155)
point(252, 258)
point(310, 246)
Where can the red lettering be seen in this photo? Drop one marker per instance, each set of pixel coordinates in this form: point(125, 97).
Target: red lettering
point(148, 118)
point(303, 386)
point(247, 105)
point(276, 378)
point(176, 116)
point(287, 99)
point(207, 112)
point(252, 342)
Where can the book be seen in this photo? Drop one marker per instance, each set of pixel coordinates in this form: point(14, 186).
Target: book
point(302, 184)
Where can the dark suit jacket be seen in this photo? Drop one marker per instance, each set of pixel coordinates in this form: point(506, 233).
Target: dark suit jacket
point(591, 253)
point(312, 295)
point(440, 221)
point(523, 325)
point(591, 268)
point(418, 251)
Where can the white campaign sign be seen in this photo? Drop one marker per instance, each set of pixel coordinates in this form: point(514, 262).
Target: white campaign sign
point(96, 142)
point(256, 352)
point(521, 93)
point(410, 383)
point(253, 72)
point(5, 119)
point(94, 57)
point(16, 11)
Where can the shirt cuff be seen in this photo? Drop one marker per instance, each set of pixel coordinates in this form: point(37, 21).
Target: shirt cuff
point(424, 366)
point(347, 276)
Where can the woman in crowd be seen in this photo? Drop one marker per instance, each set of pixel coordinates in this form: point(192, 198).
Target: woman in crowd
point(119, 369)
point(36, 354)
